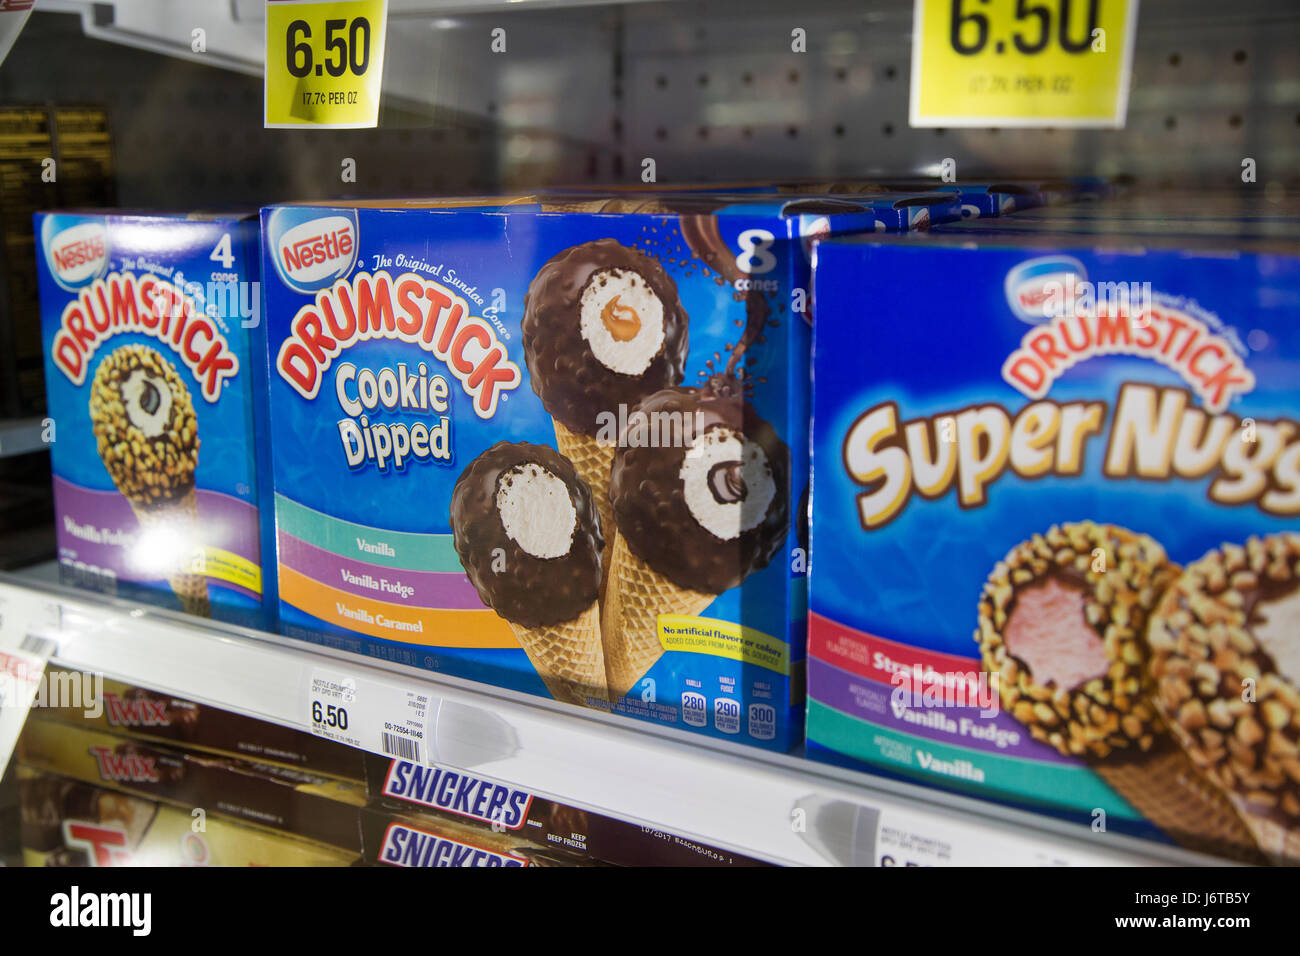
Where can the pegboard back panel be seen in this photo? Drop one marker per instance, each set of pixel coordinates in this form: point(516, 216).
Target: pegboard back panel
point(714, 91)
point(710, 89)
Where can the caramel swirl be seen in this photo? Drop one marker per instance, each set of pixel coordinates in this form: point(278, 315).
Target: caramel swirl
point(621, 320)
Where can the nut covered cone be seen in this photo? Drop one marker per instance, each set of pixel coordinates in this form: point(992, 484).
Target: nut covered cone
point(635, 597)
point(1167, 789)
point(179, 517)
point(568, 657)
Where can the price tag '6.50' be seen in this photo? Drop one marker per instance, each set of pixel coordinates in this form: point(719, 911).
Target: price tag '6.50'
point(324, 63)
point(1022, 62)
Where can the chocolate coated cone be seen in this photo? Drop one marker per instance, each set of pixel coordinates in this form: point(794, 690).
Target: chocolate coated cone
point(635, 597)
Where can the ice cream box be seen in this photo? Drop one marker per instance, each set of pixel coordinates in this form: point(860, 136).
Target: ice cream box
point(895, 209)
point(318, 808)
point(1054, 529)
point(553, 449)
point(1223, 215)
point(68, 822)
point(138, 712)
point(977, 200)
point(155, 369)
point(530, 824)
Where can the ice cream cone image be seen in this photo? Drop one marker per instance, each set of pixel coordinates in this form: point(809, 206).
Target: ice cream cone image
point(603, 327)
point(528, 535)
point(1225, 659)
point(696, 512)
point(144, 425)
point(635, 598)
point(592, 460)
point(1062, 620)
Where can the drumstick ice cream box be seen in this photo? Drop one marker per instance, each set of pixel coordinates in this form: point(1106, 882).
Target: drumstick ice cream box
point(1056, 528)
point(552, 447)
point(154, 363)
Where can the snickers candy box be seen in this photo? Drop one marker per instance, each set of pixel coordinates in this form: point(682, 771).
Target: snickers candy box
point(137, 712)
point(1055, 543)
point(422, 841)
point(508, 821)
point(554, 444)
point(155, 375)
point(317, 808)
point(68, 822)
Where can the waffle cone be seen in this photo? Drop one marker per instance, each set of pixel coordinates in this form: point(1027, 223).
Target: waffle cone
point(1279, 843)
point(592, 461)
point(568, 657)
point(1167, 789)
point(180, 517)
point(634, 599)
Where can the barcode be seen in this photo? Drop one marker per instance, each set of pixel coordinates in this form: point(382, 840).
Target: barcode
point(40, 646)
point(395, 746)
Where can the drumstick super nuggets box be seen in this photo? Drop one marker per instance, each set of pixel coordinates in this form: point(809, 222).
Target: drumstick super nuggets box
point(1055, 557)
point(553, 445)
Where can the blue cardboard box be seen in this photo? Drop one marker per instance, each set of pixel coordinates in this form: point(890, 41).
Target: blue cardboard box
point(1055, 558)
point(155, 372)
point(555, 445)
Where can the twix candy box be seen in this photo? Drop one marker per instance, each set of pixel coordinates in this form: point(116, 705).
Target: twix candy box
point(315, 807)
point(126, 710)
point(1055, 557)
point(70, 823)
point(553, 444)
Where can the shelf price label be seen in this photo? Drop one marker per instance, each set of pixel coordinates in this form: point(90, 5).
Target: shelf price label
point(1022, 62)
point(324, 63)
point(381, 718)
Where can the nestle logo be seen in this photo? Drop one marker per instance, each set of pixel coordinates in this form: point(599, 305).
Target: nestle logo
point(1031, 284)
point(1030, 298)
point(78, 254)
point(310, 255)
point(328, 246)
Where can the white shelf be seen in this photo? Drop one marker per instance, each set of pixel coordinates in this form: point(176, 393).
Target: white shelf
point(727, 795)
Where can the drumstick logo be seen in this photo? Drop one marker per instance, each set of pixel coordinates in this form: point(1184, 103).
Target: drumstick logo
point(147, 305)
point(1075, 320)
point(407, 308)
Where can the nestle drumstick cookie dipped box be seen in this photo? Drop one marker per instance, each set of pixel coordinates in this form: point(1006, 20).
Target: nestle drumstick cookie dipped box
point(1055, 558)
point(154, 367)
point(550, 446)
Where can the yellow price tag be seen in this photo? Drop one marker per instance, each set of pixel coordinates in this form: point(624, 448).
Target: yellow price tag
point(324, 63)
point(1022, 62)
